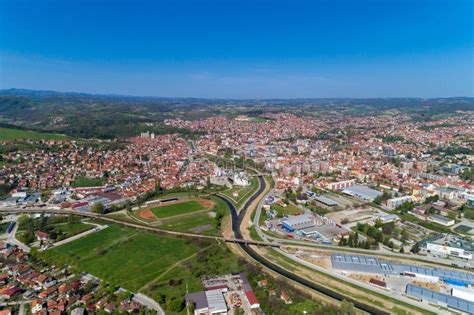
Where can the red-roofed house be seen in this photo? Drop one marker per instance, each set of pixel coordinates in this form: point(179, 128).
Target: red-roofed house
point(252, 299)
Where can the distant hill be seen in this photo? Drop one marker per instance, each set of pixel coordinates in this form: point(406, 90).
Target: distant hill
point(109, 116)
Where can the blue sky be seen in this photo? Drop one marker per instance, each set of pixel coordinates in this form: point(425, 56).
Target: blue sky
point(240, 49)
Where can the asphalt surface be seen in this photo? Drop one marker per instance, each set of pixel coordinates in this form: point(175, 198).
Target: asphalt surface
point(236, 221)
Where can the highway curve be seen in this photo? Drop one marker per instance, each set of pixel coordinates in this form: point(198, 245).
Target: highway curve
point(236, 221)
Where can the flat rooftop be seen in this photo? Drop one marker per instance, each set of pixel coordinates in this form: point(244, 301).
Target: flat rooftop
point(433, 296)
point(325, 200)
point(370, 264)
point(362, 191)
point(452, 241)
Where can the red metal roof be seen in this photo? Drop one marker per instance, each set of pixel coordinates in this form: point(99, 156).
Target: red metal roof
point(251, 297)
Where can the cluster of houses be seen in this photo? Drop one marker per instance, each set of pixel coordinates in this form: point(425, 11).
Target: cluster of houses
point(54, 291)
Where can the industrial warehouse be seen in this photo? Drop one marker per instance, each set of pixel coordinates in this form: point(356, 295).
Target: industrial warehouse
point(444, 287)
point(313, 226)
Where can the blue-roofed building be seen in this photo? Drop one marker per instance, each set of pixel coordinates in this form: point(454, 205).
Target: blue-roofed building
point(370, 264)
point(440, 298)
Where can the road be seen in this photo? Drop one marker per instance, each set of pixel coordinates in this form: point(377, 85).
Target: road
point(236, 222)
point(149, 302)
point(13, 240)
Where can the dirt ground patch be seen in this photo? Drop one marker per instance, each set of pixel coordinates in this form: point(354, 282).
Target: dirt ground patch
point(427, 285)
point(365, 278)
point(147, 215)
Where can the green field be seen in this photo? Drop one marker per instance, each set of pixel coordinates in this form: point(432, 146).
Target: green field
point(81, 181)
point(8, 134)
point(185, 277)
point(177, 209)
point(123, 256)
point(290, 209)
point(188, 223)
point(243, 192)
point(72, 229)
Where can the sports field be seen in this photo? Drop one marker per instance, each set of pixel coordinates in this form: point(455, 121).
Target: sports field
point(192, 224)
point(7, 134)
point(199, 223)
point(123, 256)
point(177, 208)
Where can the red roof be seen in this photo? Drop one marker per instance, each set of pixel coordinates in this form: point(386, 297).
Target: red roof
point(378, 282)
point(251, 297)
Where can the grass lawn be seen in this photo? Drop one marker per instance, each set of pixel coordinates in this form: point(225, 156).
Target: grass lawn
point(254, 235)
point(185, 277)
point(88, 181)
point(188, 223)
point(7, 134)
point(73, 228)
point(123, 256)
point(122, 217)
point(290, 209)
point(177, 208)
point(243, 192)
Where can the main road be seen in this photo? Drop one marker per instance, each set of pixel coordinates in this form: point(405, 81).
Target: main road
point(236, 222)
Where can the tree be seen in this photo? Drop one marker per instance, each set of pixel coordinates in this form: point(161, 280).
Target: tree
point(431, 199)
point(404, 235)
point(356, 238)
point(416, 248)
point(175, 305)
point(98, 208)
point(388, 228)
point(29, 236)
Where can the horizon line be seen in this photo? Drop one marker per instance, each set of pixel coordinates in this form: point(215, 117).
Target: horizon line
point(229, 98)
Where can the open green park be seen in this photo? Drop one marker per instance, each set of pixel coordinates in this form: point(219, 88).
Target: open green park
point(124, 256)
point(163, 267)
